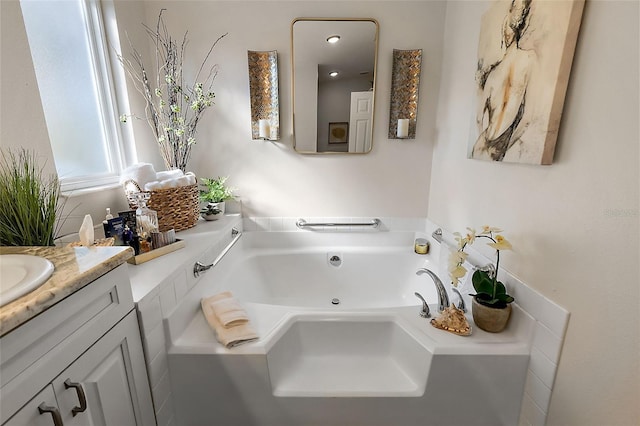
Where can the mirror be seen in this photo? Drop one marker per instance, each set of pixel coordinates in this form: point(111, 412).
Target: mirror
point(333, 75)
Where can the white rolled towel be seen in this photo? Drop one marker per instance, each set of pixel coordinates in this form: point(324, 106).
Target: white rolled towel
point(152, 186)
point(140, 173)
point(169, 183)
point(192, 178)
point(169, 174)
point(183, 180)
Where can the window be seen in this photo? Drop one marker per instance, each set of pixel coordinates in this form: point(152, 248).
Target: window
point(73, 65)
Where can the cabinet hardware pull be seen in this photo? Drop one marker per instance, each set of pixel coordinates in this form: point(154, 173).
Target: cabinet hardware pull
point(57, 419)
point(81, 396)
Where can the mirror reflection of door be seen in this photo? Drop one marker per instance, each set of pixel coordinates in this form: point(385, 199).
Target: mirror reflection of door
point(333, 83)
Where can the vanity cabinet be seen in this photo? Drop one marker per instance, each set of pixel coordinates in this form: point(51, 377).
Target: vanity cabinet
point(81, 361)
point(31, 414)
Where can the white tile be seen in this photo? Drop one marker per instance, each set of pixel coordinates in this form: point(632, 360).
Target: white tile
point(547, 342)
point(523, 422)
point(530, 300)
point(248, 224)
point(275, 224)
point(531, 414)
point(180, 285)
point(289, 224)
point(161, 391)
point(158, 368)
point(191, 279)
point(262, 223)
point(542, 367)
point(165, 415)
point(149, 313)
point(537, 391)
point(167, 299)
point(154, 343)
point(554, 317)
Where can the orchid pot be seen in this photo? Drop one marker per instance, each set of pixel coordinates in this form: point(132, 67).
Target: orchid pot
point(491, 305)
point(489, 318)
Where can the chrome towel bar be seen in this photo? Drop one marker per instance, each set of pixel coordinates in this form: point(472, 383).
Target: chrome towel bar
point(199, 268)
point(301, 223)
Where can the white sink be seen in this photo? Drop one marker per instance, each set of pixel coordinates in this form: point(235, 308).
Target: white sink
point(20, 274)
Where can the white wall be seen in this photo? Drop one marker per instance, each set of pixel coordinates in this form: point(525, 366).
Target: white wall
point(21, 119)
point(574, 224)
point(22, 122)
point(272, 179)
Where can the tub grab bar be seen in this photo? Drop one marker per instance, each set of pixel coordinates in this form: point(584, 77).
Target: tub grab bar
point(198, 267)
point(301, 223)
point(437, 235)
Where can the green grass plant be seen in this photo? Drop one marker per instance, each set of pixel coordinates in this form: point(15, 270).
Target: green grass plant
point(29, 201)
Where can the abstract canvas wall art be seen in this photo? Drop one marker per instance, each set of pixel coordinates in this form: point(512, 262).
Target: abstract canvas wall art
point(525, 53)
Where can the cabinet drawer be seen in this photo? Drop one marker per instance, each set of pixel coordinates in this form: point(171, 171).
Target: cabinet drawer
point(36, 351)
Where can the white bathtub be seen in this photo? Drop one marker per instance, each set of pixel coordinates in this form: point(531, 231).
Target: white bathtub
point(293, 269)
point(369, 360)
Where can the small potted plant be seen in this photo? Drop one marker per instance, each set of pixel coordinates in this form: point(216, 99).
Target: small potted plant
point(491, 305)
point(215, 195)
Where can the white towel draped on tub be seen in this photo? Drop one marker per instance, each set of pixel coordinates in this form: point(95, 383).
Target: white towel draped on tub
point(228, 319)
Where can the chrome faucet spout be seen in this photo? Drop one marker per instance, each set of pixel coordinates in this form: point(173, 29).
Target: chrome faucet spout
point(425, 307)
point(443, 297)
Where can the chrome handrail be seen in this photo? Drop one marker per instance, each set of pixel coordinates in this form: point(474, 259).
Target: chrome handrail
point(301, 223)
point(199, 267)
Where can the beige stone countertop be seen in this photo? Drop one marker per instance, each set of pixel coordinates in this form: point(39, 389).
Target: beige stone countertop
point(75, 267)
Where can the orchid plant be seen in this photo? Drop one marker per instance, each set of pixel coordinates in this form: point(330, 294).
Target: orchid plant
point(489, 291)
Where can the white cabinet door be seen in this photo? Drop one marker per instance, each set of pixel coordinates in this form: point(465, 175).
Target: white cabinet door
point(32, 413)
point(108, 384)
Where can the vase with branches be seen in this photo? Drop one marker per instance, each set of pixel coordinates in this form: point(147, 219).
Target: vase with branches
point(173, 107)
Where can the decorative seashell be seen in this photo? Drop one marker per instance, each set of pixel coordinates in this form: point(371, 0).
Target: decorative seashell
point(452, 319)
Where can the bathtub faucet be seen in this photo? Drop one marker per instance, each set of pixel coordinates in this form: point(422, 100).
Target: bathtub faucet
point(443, 297)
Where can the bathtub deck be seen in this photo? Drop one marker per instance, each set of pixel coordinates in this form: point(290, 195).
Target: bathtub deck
point(270, 320)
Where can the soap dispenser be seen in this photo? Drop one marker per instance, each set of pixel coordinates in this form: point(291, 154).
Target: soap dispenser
point(105, 223)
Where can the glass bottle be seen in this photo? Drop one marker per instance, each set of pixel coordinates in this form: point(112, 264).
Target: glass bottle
point(146, 220)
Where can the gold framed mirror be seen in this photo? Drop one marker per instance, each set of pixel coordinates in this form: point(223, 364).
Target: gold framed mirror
point(333, 68)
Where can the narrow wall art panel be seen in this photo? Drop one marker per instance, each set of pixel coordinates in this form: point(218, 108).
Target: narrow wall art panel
point(525, 53)
point(405, 83)
point(263, 92)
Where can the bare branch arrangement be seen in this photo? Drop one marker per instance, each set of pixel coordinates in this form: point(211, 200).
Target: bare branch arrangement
point(173, 108)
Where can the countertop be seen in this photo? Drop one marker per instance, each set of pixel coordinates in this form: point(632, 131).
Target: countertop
point(75, 267)
point(147, 277)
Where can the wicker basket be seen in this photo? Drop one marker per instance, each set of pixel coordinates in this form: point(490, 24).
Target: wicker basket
point(177, 208)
